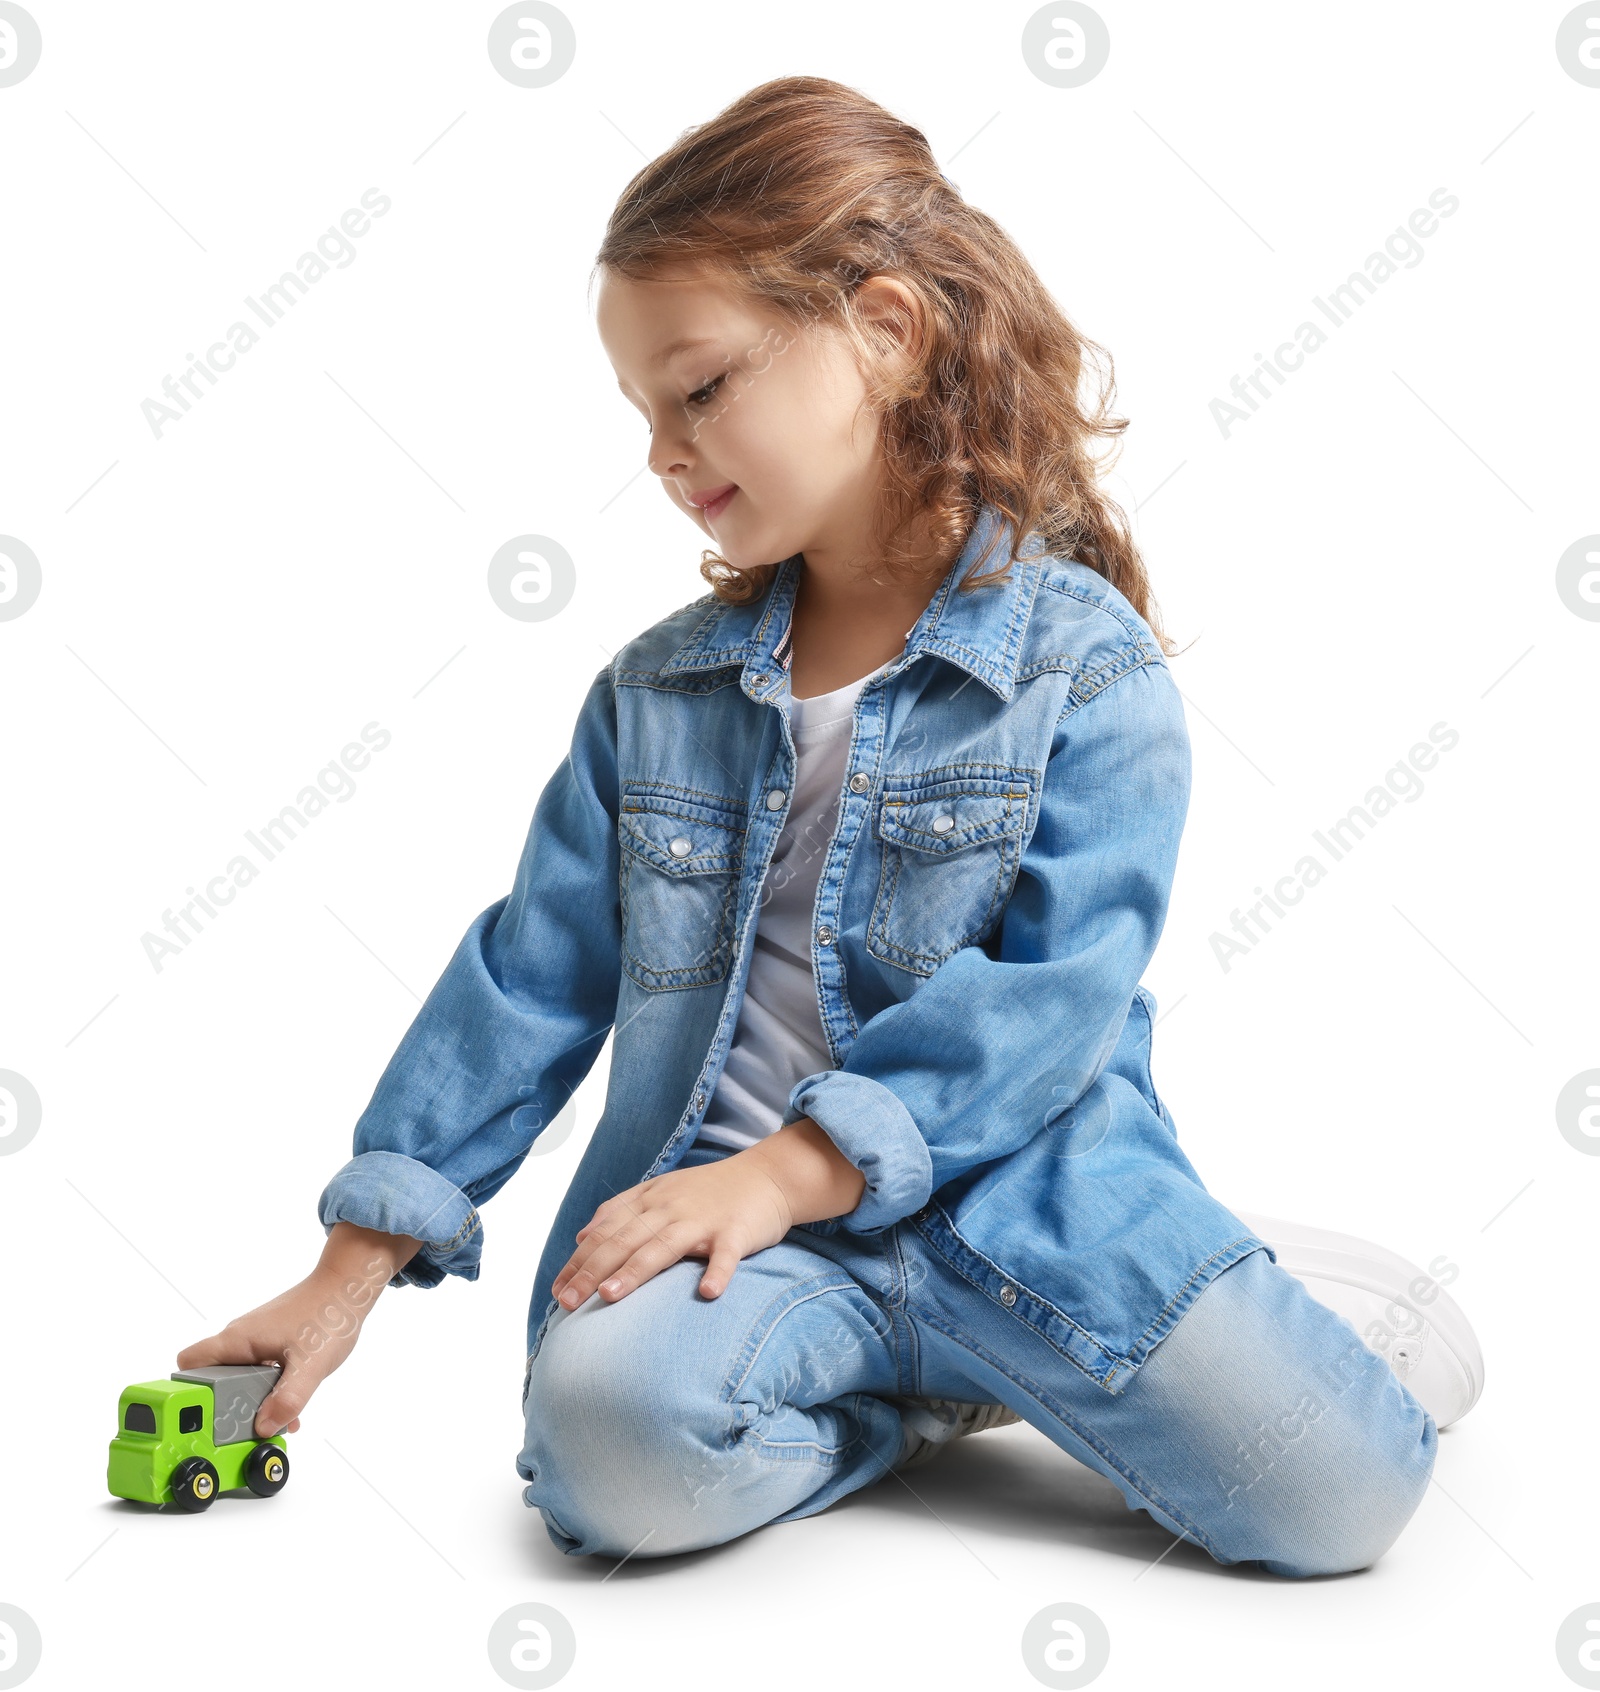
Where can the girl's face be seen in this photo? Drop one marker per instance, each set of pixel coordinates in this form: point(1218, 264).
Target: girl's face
point(736, 399)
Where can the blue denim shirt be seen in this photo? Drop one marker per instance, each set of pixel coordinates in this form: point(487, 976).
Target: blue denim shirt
point(1015, 790)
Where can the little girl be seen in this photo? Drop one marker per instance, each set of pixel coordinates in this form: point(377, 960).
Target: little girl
point(859, 858)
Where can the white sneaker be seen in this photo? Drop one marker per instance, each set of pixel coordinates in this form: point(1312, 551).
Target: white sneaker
point(933, 1423)
point(1400, 1311)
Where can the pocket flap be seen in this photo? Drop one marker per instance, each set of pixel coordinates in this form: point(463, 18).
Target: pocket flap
point(677, 843)
point(952, 817)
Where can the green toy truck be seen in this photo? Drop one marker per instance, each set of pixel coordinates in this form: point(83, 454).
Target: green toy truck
point(183, 1441)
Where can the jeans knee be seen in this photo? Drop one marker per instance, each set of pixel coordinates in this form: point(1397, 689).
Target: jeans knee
point(1346, 1505)
point(617, 1442)
point(1310, 1455)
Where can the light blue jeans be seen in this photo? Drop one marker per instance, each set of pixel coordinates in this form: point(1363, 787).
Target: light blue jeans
point(1261, 1427)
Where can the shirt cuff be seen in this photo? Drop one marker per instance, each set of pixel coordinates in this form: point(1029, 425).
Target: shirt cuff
point(875, 1131)
point(395, 1194)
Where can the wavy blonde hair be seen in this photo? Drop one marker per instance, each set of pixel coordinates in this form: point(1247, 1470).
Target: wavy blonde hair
point(797, 192)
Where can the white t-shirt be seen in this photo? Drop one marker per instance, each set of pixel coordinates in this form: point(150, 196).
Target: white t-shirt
point(778, 1039)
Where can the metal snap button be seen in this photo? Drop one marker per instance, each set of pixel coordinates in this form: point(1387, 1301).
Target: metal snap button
point(943, 825)
point(681, 847)
point(860, 782)
point(776, 798)
point(1008, 1296)
point(824, 935)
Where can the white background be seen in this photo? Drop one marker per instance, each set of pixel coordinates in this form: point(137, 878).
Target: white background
point(223, 608)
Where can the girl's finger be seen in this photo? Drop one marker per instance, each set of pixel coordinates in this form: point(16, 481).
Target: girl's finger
point(649, 1260)
point(565, 1274)
point(600, 1257)
point(719, 1271)
point(574, 1266)
point(570, 1268)
point(625, 1203)
point(586, 1249)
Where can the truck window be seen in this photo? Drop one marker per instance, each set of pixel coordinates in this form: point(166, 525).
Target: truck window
point(191, 1418)
point(140, 1419)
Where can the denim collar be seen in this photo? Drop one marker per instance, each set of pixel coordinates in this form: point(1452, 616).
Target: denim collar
point(981, 632)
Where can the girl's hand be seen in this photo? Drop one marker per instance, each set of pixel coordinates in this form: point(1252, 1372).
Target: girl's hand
point(724, 1211)
point(310, 1329)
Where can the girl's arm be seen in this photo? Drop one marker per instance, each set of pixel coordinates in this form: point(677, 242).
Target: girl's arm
point(990, 1049)
point(510, 1028)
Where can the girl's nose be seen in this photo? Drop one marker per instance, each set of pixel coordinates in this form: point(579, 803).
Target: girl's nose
point(666, 457)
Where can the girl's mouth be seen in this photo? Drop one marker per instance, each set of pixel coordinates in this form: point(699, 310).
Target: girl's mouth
point(715, 507)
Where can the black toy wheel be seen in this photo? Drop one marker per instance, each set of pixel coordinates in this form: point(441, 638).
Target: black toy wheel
point(266, 1470)
point(195, 1485)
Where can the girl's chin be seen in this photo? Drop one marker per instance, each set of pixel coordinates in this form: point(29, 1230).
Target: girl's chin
point(742, 565)
point(741, 556)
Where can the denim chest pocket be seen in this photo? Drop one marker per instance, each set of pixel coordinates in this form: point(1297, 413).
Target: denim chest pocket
point(679, 870)
point(951, 845)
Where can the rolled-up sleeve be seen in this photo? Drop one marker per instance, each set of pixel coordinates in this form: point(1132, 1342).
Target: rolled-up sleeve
point(508, 1031)
point(1003, 1039)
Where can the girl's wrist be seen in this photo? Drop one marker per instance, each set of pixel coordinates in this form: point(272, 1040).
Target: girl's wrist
point(360, 1262)
point(817, 1179)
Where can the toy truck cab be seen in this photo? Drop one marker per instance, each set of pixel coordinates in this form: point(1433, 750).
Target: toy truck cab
point(185, 1440)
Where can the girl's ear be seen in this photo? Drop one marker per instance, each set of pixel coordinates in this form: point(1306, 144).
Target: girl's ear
point(893, 312)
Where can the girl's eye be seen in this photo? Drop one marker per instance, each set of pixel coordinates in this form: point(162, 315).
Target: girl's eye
point(702, 396)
